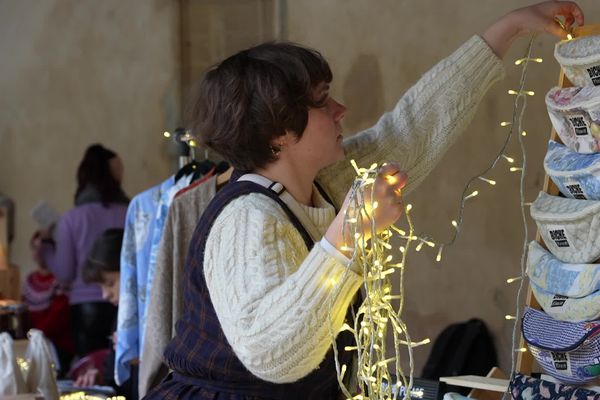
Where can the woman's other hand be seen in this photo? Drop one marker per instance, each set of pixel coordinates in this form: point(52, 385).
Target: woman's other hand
point(387, 194)
point(537, 18)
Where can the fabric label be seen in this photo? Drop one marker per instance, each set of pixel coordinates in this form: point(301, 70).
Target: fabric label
point(594, 73)
point(561, 362)
point(579, 124)
point(558, 300)
point(559, 235)
point(575, 190)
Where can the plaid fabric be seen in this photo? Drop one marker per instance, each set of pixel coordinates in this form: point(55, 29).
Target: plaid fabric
point(204, 362)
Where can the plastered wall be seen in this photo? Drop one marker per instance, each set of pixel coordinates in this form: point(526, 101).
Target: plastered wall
point(77, 72)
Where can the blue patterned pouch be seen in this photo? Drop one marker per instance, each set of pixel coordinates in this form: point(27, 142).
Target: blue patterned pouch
point(523, 387)
point(569, 352)
point(571, 309)
point(576, 175)
point(554, 276)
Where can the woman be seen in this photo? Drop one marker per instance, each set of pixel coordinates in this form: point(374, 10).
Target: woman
point(257, 292)
point(100, 204)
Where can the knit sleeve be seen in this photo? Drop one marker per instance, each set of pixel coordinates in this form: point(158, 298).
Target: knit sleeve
point(271, 295)
point(426, 120)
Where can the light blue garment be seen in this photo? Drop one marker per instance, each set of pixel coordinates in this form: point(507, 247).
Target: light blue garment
point(576, 175)
point(557, 277)
point(160, 218)
point(135, 258)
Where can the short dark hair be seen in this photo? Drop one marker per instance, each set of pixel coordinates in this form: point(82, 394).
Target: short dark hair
point(94, 169)
point(254, 96)
point(104, 257)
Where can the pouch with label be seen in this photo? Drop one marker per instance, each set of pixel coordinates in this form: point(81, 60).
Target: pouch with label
point(576, 175)
point(567, 351)
point(554, 276)
point(575, 115)
point(580, 59)
point(565, 308)
point(570, 228)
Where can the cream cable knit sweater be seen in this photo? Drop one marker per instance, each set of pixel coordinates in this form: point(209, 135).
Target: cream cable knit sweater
point(271, 295)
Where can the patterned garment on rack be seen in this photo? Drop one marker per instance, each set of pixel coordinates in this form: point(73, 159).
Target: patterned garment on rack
point(524, 387)
point(135, 255)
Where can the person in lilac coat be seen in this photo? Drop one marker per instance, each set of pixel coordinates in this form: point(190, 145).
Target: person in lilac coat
point(100, 204)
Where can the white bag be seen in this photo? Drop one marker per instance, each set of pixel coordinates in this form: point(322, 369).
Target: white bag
point(11, 379)
point(570, 228)
point(41, 376)
point(580, 59)
point(575, 115)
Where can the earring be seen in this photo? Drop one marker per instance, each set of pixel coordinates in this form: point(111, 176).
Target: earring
point(275, 150)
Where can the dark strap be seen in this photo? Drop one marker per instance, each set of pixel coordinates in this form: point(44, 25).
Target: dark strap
point(236, 189)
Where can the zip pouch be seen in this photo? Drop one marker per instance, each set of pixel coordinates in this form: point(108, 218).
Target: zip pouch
point(554, 276)
point(569, 352)
point(576, 175)
point(575, 115)
point(523, 387)
point(580, 60)
point(570, 228)
point(564, 308)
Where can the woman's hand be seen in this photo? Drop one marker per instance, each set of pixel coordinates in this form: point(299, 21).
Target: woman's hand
point(387, 192)
point(537, 18)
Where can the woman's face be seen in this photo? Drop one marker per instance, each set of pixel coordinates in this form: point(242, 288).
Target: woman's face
point(110, 287)
point(116, 168)
point(321, 141)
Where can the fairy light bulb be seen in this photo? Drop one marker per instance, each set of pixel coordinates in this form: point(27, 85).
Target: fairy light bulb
point(569, 36)
point(527, 92)
point(521, 350)
point(511, 280)
point(454, 224)
point(438, 258)
point(391, 179)
point(508, 159)
point(167, 134)
point(524, 133)
point(522, 60)
point(515, 169)
point(419, 247)
point(408, 207)
point(475, 193)
point(192, 143)
point(505, 123)
point(509, 317)
point(490, 181)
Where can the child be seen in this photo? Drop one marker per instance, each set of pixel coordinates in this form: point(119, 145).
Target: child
point(103, 267)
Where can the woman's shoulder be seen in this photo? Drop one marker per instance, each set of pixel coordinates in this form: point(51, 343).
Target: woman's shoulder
point(253, 205)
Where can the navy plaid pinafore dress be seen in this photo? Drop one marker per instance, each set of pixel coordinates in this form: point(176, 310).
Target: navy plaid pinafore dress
point(203, 363)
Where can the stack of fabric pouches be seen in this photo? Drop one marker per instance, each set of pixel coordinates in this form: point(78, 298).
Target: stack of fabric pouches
point(565, 274)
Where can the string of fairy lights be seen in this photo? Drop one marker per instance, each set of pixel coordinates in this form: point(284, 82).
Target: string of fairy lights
point(377, 316)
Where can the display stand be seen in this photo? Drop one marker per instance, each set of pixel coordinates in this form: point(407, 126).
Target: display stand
point(525, 361)
point(493, 386)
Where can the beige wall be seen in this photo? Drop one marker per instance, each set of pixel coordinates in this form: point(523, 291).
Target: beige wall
point(76, 72)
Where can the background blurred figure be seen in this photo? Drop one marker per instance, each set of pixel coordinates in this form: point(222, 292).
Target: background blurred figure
point(100, 204)
point(48, 307)
point(103, 267)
